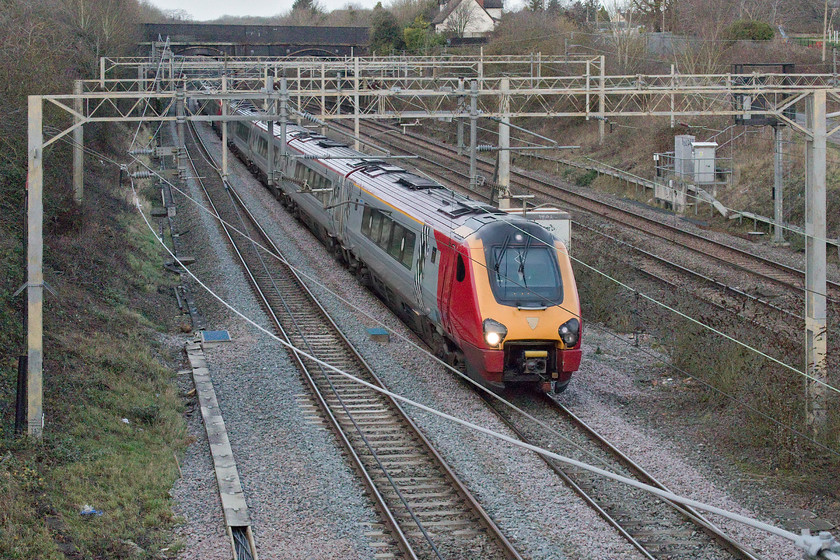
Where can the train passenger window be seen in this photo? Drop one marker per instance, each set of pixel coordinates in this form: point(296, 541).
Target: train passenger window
point(385, 235)
point(460, 270)
point(396, 244)
point(408, 249)
point(376, 227)
point(390, 236)
point(366, 219)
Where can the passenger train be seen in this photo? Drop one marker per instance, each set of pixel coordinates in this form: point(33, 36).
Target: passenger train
point(487, 290)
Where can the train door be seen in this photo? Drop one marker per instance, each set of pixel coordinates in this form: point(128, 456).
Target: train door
point(446, 273)
point(426, 273)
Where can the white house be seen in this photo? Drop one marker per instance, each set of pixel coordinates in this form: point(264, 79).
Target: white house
point(468, 18)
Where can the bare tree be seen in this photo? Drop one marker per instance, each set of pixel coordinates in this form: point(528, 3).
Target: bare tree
point(653, 13)
point(624, 38)
point(460, 18)
point(305, 12)
point(178, 15)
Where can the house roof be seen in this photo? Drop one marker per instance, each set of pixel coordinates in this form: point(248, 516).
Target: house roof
point(444, 13)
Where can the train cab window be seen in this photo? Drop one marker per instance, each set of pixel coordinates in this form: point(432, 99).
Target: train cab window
point(434, 254)
point(460, 270)
point(385, 233)
point(375, 227)
point(367, 218)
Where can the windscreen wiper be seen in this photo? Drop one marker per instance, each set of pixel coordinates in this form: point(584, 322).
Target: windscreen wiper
point(501, 254)
point(522, 256)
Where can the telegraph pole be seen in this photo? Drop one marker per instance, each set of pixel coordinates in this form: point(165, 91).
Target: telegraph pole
point(271, 110)
point(225, 105)
point(356, 129)
point(284, 118)
point(602, 100)
point(460, 121)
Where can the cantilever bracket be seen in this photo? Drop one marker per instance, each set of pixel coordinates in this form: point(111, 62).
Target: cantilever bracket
point(27, 284)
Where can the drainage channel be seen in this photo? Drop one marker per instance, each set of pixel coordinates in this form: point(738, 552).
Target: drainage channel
point(234, 506)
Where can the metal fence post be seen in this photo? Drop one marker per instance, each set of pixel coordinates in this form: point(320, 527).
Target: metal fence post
point(35, 271)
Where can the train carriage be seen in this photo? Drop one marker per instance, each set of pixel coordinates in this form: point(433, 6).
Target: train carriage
point(488, 290)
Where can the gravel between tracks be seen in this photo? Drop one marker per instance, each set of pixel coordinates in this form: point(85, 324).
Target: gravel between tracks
point(303, 499)
point(328, 515)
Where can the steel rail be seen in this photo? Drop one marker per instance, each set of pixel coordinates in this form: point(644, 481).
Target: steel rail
point(504, 547)
point(628, 526)
point(380, 502)
point(689, 512)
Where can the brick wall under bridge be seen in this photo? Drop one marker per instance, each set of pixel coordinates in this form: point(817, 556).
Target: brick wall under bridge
point(257, 40)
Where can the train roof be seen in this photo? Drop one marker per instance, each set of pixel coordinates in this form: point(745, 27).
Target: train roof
point(418, 197)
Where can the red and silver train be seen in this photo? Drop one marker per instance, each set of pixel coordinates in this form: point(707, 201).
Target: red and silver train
point(488, 290)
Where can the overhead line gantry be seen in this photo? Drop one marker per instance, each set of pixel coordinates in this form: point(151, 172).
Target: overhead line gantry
point(156, 90)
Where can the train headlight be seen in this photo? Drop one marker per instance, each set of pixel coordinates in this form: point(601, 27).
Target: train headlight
point(494, 332)
point(570, 332)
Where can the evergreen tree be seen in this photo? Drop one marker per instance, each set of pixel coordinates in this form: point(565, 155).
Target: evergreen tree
point(385, 33)
point(419, 37)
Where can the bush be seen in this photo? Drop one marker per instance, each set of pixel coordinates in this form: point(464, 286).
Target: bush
point(586, 178)
point(749, 30)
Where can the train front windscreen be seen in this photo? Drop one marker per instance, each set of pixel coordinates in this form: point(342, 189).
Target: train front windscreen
point(524, 274)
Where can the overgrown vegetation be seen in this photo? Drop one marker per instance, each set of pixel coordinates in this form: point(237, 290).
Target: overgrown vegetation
point(746, 400)
point(113, 415)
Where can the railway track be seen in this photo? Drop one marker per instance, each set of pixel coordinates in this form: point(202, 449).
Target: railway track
point(658, 529)
point(555, 192)
point(426, 511)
